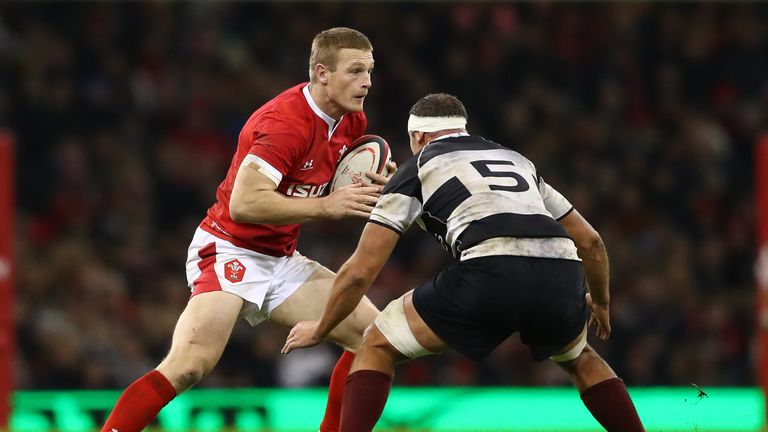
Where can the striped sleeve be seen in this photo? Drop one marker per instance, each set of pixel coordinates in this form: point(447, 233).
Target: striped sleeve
point(557, 205)
point(400, 203)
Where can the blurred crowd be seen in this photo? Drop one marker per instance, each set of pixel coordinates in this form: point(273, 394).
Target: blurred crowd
point(126, 116)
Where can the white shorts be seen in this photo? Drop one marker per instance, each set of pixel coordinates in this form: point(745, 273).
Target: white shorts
point(263, 281)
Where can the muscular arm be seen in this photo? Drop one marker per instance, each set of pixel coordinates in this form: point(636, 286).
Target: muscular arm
point(356, 275)
point(255, 200)
point(593, 254)
point(351, 283)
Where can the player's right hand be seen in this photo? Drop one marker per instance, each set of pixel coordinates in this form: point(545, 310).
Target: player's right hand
point(302, 335)
point(601, 318)
point(382, 179)
point(353, 200)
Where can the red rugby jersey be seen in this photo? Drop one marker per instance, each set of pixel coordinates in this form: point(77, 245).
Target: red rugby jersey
point(295, 144)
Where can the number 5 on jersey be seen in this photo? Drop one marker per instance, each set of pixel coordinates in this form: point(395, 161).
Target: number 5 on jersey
point(483, 167)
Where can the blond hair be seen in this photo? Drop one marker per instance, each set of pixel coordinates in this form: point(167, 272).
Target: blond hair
point(327, 44)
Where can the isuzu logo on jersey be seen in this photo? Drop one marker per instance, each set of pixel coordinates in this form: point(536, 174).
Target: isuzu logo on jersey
point(306, 191)
point(234, 271)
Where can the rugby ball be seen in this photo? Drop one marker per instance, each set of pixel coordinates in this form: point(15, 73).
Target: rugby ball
point(367, 153)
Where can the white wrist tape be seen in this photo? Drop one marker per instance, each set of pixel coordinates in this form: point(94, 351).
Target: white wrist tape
point(434, 124)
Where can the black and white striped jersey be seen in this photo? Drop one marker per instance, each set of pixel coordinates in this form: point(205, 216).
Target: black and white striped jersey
point(477, 198)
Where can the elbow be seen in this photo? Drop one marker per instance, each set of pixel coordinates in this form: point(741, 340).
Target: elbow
point(595, 242)
point(590, 245)
point(357, 278)
point(236, 212)
point(250, 210)
point(239, 213)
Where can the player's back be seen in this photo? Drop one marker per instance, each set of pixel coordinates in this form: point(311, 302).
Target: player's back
point(471, 190)
point(499, 220)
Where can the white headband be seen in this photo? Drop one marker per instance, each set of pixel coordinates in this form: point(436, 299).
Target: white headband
point(434, 124)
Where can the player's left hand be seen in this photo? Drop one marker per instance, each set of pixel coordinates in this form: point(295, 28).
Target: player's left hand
point(302, 335)
point(379, 179)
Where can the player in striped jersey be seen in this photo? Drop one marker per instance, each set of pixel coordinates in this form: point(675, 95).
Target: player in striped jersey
point(521, 255)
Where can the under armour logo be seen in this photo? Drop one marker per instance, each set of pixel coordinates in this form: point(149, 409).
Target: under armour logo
point(308, 165)
point(342, 151)
point(115, 430)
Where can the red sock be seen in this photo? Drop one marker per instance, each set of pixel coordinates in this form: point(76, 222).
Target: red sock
point(332, 416)
point(610, 404)
point(365, 395)
point(140, 403)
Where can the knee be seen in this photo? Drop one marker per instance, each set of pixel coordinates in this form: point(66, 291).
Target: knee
point(350, 334)
point(373, 338)
point(186, 372)
point(194, 371)
point(347, 339)
point(374, 343)
point(375, 352)
point(588, 355)
point(588, 369)
point(587, 358)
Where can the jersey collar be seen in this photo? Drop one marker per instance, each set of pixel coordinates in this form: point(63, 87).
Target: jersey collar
point(332, 124)
point(451, 135)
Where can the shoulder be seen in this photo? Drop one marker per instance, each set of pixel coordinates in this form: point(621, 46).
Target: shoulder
point(290, 104)
point(287, 112)
point(407, 174)
point(409, 167)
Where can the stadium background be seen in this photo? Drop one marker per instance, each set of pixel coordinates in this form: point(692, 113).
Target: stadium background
point(125, 117)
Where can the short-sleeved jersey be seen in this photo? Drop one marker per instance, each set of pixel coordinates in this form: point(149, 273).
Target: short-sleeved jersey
point(464, 190)
point(295, 145)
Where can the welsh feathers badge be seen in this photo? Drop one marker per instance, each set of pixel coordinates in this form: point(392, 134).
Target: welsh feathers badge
point(234, 271)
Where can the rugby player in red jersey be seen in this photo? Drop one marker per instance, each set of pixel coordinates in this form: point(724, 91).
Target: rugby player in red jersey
point(242, 261)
